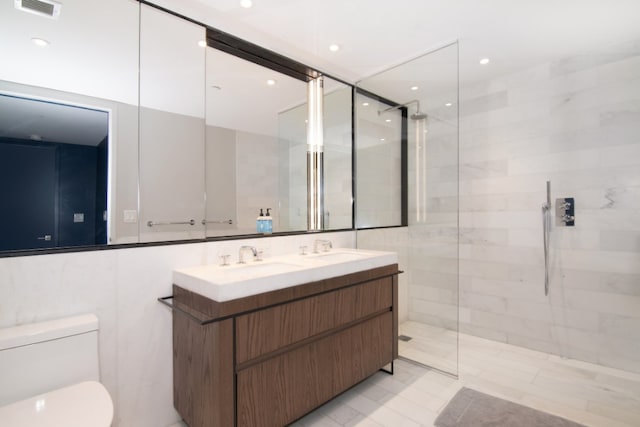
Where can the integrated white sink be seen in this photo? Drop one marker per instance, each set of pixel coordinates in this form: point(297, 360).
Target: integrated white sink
point(255, 269)
point(224, 283)
point(340, 256)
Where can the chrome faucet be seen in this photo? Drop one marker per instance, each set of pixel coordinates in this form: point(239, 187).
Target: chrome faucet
point(253, 250)
point(325, 244)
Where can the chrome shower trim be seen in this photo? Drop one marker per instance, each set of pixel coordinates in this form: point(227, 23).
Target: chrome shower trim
point(546, 228)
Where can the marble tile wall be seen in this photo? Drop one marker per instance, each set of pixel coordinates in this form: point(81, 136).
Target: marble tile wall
point(575, 122)
point(121, 286)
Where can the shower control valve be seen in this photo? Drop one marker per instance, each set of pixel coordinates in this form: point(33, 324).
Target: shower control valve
point(565, 212)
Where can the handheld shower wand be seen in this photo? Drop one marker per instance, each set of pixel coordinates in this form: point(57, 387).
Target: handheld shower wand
point(546, 228)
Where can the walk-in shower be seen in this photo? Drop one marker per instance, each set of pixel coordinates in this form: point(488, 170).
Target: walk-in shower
point(571, 292)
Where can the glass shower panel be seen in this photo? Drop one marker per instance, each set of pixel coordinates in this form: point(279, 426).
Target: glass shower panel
point(255, 129)
point(428, 247)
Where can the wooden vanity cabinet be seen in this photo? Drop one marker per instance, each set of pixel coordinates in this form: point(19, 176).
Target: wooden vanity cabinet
point(269, 359)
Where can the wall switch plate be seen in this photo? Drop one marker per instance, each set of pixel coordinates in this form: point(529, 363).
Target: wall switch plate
point(78, 217)
point(130, 216)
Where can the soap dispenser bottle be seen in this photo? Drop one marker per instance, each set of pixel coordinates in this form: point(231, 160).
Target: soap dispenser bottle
point(268, 223)
point(260, 222)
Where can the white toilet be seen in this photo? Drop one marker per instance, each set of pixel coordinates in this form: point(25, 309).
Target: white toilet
point(49, 375)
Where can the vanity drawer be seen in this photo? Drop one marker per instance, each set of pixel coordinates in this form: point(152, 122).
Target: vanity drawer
point(282, 389)
point(265, 331)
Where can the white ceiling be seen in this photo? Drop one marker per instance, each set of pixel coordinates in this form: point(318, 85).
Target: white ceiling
point(376, 35)
point(24, 118)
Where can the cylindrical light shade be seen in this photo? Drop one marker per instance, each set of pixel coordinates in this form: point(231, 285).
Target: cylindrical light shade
point(315, 159)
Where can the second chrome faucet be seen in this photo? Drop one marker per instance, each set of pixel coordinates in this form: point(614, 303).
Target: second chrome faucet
point(322, 243)
point(243, 249)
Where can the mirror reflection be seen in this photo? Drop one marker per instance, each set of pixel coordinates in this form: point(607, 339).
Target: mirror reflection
point(255, 131)
point(338, 143)
point(194, 136)
point(172, 127)
point(256, 149)
point(53, 170)
point(74, 78)
point(379, 154)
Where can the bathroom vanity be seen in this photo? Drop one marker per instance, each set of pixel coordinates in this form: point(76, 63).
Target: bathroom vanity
point(264, 343)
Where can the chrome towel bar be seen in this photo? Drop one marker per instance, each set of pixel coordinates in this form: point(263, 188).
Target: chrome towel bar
point(154, 223)
point(217, 221)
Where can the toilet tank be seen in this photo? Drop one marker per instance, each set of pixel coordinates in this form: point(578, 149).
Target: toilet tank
point(40, 357)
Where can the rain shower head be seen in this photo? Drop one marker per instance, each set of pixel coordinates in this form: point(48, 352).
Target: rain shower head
point(418, 115)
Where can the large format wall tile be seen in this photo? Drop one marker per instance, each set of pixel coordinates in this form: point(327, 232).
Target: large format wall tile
point(573, 122)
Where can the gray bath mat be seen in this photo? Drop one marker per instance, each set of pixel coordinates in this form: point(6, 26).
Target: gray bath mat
point(470, 408)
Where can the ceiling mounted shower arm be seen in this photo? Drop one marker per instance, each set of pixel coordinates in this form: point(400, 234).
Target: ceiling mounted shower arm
point(395, 107)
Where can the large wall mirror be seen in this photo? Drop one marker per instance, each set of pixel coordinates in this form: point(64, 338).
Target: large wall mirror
point(172, 127)
point(253, 133)
point(256, 143)
point(68, 125)
point(54, 174)
point(193, 141)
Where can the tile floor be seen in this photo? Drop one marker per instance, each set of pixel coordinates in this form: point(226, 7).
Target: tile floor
point(586, 393)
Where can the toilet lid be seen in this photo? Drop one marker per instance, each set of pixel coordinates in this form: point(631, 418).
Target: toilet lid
point(85, 404)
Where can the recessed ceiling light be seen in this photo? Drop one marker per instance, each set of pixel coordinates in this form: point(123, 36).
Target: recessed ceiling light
point(381, 139)
point(334, 47)
point(387, 120)
point(484, 61)
point(271, 82)
point(246, 3)
point(448, 104)
point(365, 104)
point(414, 88)
point(39, 42)
point(202, 43)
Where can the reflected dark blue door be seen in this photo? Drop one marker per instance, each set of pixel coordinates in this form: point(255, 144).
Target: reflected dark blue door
point(27, 197)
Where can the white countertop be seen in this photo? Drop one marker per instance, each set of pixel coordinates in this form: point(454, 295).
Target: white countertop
point(225, 283)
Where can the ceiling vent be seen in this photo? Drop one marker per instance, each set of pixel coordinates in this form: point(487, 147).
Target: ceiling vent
point(48, 8)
